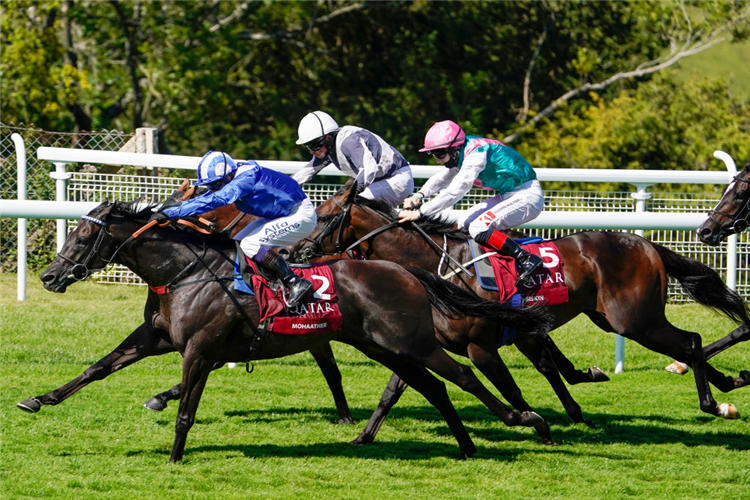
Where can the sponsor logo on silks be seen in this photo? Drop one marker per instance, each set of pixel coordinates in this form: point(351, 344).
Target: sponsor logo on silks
point(276, 231)
point(488, 217)
point(312, 308)
point(544, 279)
point(309, 326)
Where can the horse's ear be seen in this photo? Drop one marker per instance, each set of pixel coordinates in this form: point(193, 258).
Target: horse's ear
point(352, 193)
point(185, 184)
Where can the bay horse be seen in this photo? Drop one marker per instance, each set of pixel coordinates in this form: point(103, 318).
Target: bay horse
point(730, 216)
point(619, 280)
point(482, 346)
point(386, 311)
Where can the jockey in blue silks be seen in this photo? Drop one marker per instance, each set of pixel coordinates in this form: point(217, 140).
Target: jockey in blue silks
point(285, 213)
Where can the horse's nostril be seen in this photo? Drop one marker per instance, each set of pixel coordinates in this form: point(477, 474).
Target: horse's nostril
point(704, 231)
point(46, 277)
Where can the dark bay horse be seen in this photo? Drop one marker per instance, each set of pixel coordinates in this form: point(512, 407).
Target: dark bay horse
point(150, 339)
point(619, 280)
point(386, 312)
point(730, 216)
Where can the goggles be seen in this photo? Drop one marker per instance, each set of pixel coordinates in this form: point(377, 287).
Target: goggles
point(215, 185)
point(438, 153)
point(316, 145)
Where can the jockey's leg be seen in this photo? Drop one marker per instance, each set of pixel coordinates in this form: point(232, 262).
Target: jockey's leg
point(278, 267)
point(527, 262)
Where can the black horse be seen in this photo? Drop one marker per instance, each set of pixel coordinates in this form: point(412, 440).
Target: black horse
point(618, 280)
point(386, 312)
point(729, 216)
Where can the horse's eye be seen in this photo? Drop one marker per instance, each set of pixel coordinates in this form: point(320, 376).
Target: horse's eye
point(81, 240)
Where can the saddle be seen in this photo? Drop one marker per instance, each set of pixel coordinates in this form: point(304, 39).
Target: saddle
point(320, 314)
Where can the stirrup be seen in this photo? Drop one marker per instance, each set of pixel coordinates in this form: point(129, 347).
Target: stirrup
point(524, 277)
point(297, 292)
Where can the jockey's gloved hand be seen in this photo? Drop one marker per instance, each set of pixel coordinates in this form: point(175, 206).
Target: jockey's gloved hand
point(160, 218)
point(169, 204)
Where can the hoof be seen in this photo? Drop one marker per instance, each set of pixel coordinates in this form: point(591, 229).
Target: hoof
point(467, 452)
point(155, 404)
point(677, 368)
point(745, 376)
point(346, 421)
point(362, 440)
point(728, 411)
point(531, 419)
point(31, 405)
point(597, 375)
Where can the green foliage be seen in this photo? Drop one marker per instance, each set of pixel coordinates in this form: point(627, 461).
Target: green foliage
point(239, 75)
point(658, 125)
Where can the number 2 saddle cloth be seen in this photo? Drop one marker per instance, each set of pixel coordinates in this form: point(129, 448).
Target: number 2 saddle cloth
point(317, 313)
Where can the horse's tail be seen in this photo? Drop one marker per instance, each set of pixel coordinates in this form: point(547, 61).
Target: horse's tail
point(703, 284)
point(450, 300)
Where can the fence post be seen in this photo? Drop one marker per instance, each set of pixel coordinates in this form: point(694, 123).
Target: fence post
point(61, 194)
point(640, 197)
point(22, 257)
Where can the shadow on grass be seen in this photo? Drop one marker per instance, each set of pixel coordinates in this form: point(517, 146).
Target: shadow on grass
point(610, 428)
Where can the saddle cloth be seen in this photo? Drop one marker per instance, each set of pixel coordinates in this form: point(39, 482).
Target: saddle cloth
point(545, 287)
point(320, 314)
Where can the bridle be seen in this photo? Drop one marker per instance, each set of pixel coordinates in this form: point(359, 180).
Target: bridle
point(316, 244)
point(739, 223)
point(81, 270)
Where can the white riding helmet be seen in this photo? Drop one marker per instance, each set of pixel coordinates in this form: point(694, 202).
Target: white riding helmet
point(315, 125)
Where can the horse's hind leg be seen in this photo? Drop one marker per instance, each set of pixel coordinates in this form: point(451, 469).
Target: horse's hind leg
point(462, 376)
point(739, 334)
point(323, 355)
point(493, 367)
point(140, 344)
point(434, 391)
point(393, 391)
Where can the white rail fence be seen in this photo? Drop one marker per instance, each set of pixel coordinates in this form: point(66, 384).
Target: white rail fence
point(671, 220)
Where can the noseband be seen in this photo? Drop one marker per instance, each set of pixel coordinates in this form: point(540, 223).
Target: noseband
point(739, 223)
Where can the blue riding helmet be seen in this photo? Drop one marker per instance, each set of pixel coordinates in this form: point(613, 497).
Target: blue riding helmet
point(215, 166)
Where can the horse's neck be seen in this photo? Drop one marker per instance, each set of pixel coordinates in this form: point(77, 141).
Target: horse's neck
point(409, 248)
point(159, 261)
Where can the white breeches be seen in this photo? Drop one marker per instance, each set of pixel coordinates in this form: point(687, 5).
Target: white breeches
point(278, 232)
point(392, 190)
point(505, 211)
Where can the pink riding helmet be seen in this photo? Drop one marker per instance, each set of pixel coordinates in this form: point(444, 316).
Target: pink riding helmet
point(442, 135)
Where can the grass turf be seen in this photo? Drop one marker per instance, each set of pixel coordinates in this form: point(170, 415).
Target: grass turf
point(273, 433)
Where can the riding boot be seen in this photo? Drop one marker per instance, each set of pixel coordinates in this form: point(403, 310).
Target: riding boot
point(278, 267)
point(527, 262)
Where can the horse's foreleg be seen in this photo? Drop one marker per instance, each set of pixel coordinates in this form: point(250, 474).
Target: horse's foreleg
point(195, 371)
point(393, 391)
point(493, 367)
point(571, 374)
point(323, 355)
point(540, 356)
point(159, 401)
point(140, 344)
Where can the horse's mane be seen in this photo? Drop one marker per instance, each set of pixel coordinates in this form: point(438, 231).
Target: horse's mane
point(430, 224)
point(133, 209)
